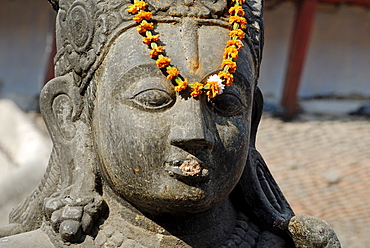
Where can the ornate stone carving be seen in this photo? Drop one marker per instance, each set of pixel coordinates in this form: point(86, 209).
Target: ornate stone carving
point(136, 164)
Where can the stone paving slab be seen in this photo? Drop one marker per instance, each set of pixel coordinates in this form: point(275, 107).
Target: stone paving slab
point(322, 164)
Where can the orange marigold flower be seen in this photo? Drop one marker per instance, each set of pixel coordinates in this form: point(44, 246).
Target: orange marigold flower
point(181, 85)
point(238, 19)
point(133, 9)
point(196, 89)
point(150, 39)
point(214, 89)
point(237, 43)
point(230, 64)
point(143, 27)
point(143, 15)
point(231, 52)
point(237, 10)
point(156, 51)
point(163, 62)
point(238, 33)
point(172, 72)
point(227, 77)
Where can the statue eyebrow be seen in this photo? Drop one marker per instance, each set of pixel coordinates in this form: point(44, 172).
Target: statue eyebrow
point(145, 69)
point(137, 73)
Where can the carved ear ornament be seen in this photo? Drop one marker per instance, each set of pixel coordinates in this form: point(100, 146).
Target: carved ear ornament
point(215, 83)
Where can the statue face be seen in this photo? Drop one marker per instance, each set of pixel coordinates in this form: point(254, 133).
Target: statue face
point(144, 131)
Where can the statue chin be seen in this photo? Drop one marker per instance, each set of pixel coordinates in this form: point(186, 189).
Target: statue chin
point(174, 197)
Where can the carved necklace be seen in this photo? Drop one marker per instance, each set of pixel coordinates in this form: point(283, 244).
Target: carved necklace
point(215, 83)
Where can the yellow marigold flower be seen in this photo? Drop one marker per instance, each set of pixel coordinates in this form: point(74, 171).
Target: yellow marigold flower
point(237, 10)
point(238, 19)
point(150, 39)
point(133, 9)
point(238, 33)
point(196, 89)
point(143, 27)
point(181, 85)
point(232, 52)
point(142, 15)
point(227, 77)
point(230, 64)
point(172, 72)
point(163, 62)
point(156, 51)
point(214, 89)
point(237, 43)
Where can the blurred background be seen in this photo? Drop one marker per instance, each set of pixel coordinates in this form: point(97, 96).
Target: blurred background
point(314, 134)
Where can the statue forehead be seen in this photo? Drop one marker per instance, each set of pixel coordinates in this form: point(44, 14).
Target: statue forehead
point(196, 57)
point(197, 51)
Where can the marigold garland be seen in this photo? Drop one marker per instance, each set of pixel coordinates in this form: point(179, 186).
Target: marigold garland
point(215, 83)
point(181, 85)
point(231, 52)
point(145, 26)
point(156, 51)
point(172, 72)
point(214, 89)
point(163, 61)
point(197, 89)
point(152, 38)
point(143, 15)
point(236, 43)
point(227, 77)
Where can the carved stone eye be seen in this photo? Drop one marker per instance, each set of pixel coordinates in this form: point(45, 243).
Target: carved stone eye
point(227, 104)
point(153, 99)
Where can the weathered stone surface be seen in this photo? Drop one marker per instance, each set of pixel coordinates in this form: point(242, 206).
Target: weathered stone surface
point(137, 164)
point(308, 231)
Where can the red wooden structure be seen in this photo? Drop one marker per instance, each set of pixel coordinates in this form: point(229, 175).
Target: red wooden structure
point(305, 14)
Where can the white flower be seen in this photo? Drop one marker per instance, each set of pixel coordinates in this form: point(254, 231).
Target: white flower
point(216, 78)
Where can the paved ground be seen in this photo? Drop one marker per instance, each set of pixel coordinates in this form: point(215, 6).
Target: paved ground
point(322, 165)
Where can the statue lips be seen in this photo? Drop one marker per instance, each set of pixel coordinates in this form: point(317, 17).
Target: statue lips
point(188, 170)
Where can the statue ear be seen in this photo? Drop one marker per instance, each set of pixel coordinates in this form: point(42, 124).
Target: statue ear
point(60, 104)
point(256, 116)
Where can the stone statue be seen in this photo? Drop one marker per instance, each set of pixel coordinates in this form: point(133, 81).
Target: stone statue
point(140, 160)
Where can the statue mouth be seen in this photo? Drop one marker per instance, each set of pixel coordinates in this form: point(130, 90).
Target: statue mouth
point(191, 169)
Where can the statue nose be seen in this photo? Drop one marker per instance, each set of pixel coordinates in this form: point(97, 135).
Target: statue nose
point(190, 128)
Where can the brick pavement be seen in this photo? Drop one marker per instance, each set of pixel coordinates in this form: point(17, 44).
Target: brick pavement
point(322, 165)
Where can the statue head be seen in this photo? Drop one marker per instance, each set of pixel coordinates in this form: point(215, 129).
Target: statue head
point(143, 131)
point(117, 121)
point(138, 151)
